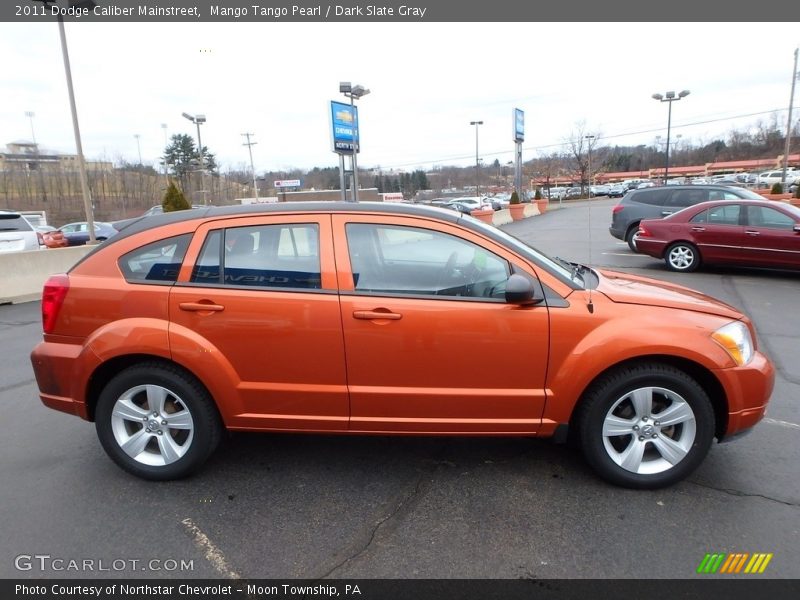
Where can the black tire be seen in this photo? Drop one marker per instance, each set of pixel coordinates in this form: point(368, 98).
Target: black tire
point(183, 400)
point(682, 257)
point(610, 403)
point(630, 237)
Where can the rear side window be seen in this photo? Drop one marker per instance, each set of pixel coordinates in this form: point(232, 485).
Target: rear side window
point(282, 256)
point(652, 197)
point(684, 198)
point(158, 262)
point(14, 222)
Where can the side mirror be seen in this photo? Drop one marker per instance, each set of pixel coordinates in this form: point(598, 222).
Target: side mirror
point(520, 291)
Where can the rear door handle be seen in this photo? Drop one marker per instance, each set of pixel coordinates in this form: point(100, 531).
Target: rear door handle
point(752, 232)
point(370, 315)
point(666, 213)
point(201, 306)
point(698, 228)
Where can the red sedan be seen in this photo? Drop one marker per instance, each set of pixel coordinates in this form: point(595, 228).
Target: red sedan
point(739, 232)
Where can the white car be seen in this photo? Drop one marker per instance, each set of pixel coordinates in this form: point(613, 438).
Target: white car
point(773, 177)
point(16, 234)
point(473, 202)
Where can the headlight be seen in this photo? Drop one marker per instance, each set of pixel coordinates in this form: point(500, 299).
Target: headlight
point(735, 338)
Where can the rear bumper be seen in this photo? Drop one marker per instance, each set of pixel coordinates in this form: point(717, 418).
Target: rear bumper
point(57, 368)
point(617, 233)
point(651, 247)
point(748, 389)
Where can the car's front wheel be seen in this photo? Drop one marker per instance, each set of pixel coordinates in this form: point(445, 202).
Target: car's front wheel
point(682, 256)
point(646, 426)
point(157, 422)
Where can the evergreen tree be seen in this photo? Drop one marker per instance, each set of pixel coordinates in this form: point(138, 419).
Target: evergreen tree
point(174, 199)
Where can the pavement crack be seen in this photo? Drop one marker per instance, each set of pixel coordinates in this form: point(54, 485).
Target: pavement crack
point(406, 501)
point(14, 386)
point(741, 494)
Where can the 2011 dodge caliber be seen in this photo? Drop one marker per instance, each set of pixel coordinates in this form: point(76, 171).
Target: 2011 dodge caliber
point(353, 318)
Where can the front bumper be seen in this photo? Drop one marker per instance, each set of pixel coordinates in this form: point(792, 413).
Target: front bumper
point(748, 389)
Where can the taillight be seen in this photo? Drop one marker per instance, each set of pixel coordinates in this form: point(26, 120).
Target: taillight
point(55, 290)
point(617, 209)
point(643, 232)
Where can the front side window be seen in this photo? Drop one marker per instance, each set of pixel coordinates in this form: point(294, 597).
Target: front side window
point(410, 260)
point(156, 262)
point(282, 256)
point(769, 218)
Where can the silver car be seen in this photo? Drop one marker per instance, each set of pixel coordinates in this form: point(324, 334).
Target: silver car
point(16, 234)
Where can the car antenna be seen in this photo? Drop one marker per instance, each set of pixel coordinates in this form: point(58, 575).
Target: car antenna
point(590, 139)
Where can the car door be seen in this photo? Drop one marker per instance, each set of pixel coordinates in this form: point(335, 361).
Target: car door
point(431, 343)
point(258, 295)
point(718, 233)
point(770, 237)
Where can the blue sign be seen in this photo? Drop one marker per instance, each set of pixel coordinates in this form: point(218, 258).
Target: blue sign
point(519, 125)
point(344, 127)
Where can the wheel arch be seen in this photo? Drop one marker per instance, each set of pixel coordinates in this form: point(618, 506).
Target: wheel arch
point(106, 371)
point(701, 374)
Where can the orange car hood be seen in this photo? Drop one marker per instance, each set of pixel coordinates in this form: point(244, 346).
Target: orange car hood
point(632, 289)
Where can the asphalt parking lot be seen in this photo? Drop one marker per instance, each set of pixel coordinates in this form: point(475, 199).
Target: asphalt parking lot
point(281, 506)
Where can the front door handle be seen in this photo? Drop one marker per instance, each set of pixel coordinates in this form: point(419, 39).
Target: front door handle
point(371, 315)
point(201, 307)
point(752, 232)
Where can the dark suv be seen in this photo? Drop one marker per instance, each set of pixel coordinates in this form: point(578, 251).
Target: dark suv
point(659, 202)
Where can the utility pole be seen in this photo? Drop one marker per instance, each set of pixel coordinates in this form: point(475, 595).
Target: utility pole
point(249, 145)
point(789, 125)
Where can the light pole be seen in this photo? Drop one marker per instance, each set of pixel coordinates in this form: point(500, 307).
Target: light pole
point(139, 148)
point(30, 114)
point(197, 120)
point(166, 145)
point(249, 145)
point(477, 161)
point(590, 139)
point(669, 97)
point(795, 75)
point(353, 92)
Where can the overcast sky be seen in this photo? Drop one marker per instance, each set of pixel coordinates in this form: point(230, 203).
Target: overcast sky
point(428, 81)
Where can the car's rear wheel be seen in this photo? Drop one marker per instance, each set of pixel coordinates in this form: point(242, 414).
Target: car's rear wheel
point(646, 426)
point(157, 422)
point(682, 256)
point(630, 237)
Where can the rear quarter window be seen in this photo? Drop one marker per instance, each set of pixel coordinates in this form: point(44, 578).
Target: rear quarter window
point(651, 197)
point(158, 262)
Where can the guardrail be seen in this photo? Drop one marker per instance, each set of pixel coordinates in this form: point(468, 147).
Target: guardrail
point(22, 274)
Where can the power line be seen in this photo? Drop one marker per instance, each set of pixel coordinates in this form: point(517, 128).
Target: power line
point(603, 137)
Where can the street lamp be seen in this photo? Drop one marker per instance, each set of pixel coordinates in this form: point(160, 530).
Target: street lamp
point(354, 92)
point(477, 161)
point(139, 148)
point(197, 120)
point(669, 97)
point(590, 139)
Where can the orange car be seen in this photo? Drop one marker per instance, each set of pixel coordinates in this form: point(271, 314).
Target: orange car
point(354, 318)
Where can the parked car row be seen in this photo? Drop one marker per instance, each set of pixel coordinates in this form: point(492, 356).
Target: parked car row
point(687, 226)
point(18, 235)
